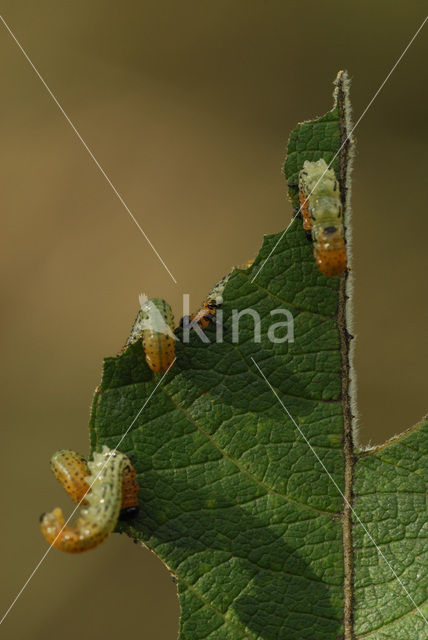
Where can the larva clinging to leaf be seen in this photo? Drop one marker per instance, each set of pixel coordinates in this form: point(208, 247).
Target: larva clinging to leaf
point(206, 315)
point(154, 326)
point(322, 215)
point(71, 470)
point(104, 500)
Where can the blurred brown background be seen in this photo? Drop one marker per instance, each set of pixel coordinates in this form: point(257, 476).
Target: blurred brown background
point(188, 107)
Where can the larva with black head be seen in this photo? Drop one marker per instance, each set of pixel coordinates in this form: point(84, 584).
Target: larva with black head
point(322, 214)
point(206, 315)
point(104, 500)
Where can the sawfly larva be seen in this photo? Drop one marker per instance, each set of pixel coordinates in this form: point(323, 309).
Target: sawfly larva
point(71, 469)
point(154, 326)
point(108, 483)
point(322, 215)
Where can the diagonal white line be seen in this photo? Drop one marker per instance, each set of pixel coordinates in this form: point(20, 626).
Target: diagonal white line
point(81, 500)
point(122, 201)
point(342, 145)
point(339, 490)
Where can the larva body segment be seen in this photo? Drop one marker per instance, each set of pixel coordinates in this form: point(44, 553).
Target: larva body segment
point(154, 326)
point(322, 214)
point(206, 314)
point(304, 207)
point(216, 292)
point(129, 505)
point(71, 469)
point(99, 518)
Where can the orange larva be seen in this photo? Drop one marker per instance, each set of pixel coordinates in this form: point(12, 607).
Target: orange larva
point(113, 492)
point(322, 214)
point(154, 326)
point(206, 314)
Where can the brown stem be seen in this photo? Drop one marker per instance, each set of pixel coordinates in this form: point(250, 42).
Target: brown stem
point(345, 340)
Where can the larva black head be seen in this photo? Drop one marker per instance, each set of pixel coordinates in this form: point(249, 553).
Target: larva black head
point(42, 516)
point(214, 303)
point(129, 513)
point(329, 230)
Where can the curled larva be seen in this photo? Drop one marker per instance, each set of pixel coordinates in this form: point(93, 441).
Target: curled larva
point(104, 501)
point(322, 215)
point(71, 469)
point(154, 326)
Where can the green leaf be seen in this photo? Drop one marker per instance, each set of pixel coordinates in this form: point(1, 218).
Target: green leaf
point(247, 500)
point(390, 490)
